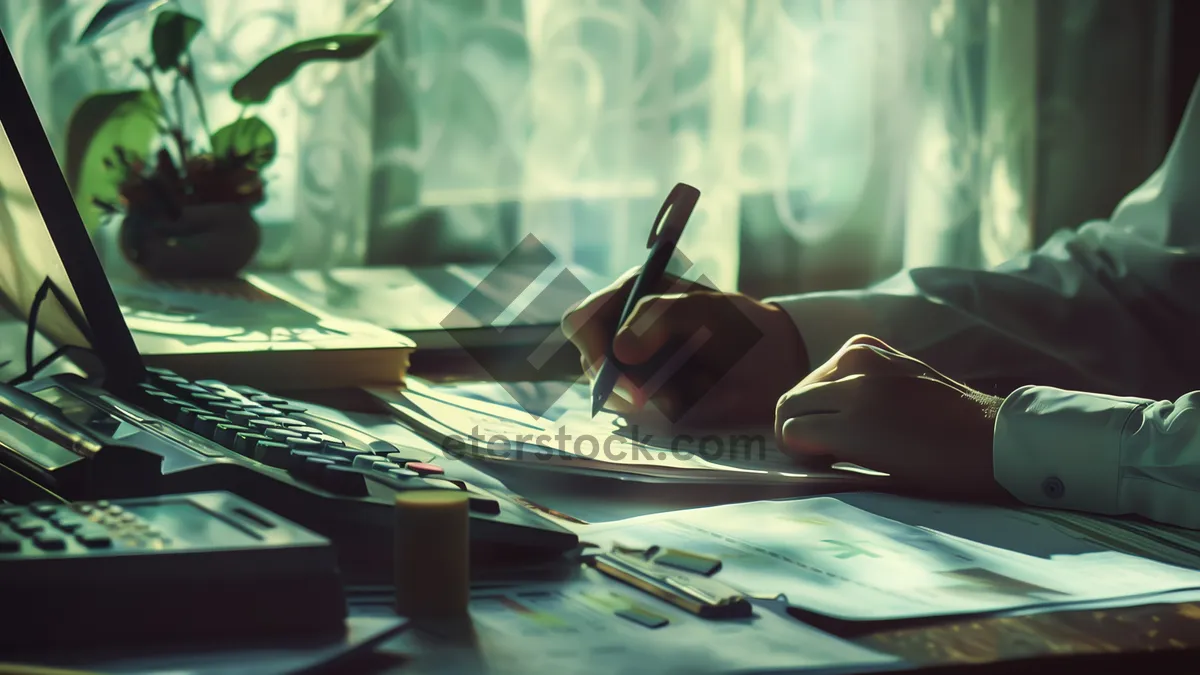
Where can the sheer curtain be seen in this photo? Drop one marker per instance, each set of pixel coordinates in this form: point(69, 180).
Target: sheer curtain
point(833, 140)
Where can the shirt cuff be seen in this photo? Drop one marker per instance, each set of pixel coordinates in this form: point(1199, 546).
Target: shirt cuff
point(1062, 449)
point(827, 320)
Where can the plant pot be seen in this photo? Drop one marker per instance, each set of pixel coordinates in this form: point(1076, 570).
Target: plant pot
point(206, 241)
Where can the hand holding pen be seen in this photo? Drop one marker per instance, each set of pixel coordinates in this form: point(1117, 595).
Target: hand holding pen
point(681, 349)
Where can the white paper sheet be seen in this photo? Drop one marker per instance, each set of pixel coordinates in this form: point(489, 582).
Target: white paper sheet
point(567, 437)
point(835, 559)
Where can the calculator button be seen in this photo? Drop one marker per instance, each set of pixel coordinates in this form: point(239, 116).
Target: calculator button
point(425, 468)
point(49, 542)
point(94, 539)
point(27, 526)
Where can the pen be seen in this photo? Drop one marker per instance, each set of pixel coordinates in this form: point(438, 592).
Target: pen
point(672, 217)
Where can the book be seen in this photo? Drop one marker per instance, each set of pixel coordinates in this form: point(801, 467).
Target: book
point(447, 306)
point(242, 333)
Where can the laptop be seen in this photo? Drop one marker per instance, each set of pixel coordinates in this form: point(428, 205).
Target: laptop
point(126, 430)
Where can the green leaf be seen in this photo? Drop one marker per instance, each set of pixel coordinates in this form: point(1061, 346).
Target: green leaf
point(99, 124)
point(256, 86)
point(250, 138)
point(173, 33)
point(115, 13)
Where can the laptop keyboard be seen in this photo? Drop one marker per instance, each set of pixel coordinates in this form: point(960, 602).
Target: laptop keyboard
point(275, 433)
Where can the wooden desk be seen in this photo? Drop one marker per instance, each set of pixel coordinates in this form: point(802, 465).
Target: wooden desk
point(1149, 628)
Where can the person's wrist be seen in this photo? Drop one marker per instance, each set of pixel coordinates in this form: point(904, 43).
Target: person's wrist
point(789, 335)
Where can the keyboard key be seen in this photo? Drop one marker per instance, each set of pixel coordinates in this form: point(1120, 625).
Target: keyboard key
point(206, 398)
point(367, 461)
point(343, 451)
point(245, 442)
point(263, 411)
point(261, 425)
point(311, 468)
point(306, 430)
point(266, 399)
point(301, 455)
point(273, 453)
point(226, 434)
point(224, 407)
point(67, 523)
point(417, 484)
point(401, 458)
point(245, 391)
point(205, 425)
point(400, 473)
point(287, 422)
point(43, 510)
point(240, 416)
point(280, 434)
point(343, 480)
point(48, 541)
point(425, 468)
point(186, 416)
point(27, 526)
point(291, 408)
point(328, 440)
point(306, 444)
point(9, 543)
point(11, 512)
point(93, 539)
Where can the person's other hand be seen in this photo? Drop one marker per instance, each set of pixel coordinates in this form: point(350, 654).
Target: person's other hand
point(873, 406)
point(751, 348)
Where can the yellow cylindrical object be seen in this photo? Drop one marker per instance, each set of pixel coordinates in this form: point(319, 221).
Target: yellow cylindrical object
point(432, 554)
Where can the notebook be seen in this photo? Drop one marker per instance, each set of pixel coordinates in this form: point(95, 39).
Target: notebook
point(242, 332)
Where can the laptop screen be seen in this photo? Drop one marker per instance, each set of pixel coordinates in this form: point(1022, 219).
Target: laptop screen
point(42, 237)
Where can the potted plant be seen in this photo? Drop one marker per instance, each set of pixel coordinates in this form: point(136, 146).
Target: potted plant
point(184, 194)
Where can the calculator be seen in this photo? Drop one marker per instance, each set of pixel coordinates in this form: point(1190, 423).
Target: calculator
point(174, 568)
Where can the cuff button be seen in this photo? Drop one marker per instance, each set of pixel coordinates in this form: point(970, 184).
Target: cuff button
point(1053, 487)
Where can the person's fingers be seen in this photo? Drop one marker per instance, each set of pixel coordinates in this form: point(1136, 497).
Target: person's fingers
point(814, 435)
point(817, 398)
point(591, 324)
point(660, 320)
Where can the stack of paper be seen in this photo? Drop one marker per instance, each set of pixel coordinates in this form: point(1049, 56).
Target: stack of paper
point(566, 437)
point(832, 558)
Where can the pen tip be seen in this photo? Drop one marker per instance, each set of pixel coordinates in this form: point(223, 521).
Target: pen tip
point(597, 404)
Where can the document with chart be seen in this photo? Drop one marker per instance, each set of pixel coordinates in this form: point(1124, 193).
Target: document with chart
point(834, 558)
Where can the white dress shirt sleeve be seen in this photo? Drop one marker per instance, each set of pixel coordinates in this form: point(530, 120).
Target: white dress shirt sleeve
point(1101, 454)
point(1113, 307)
